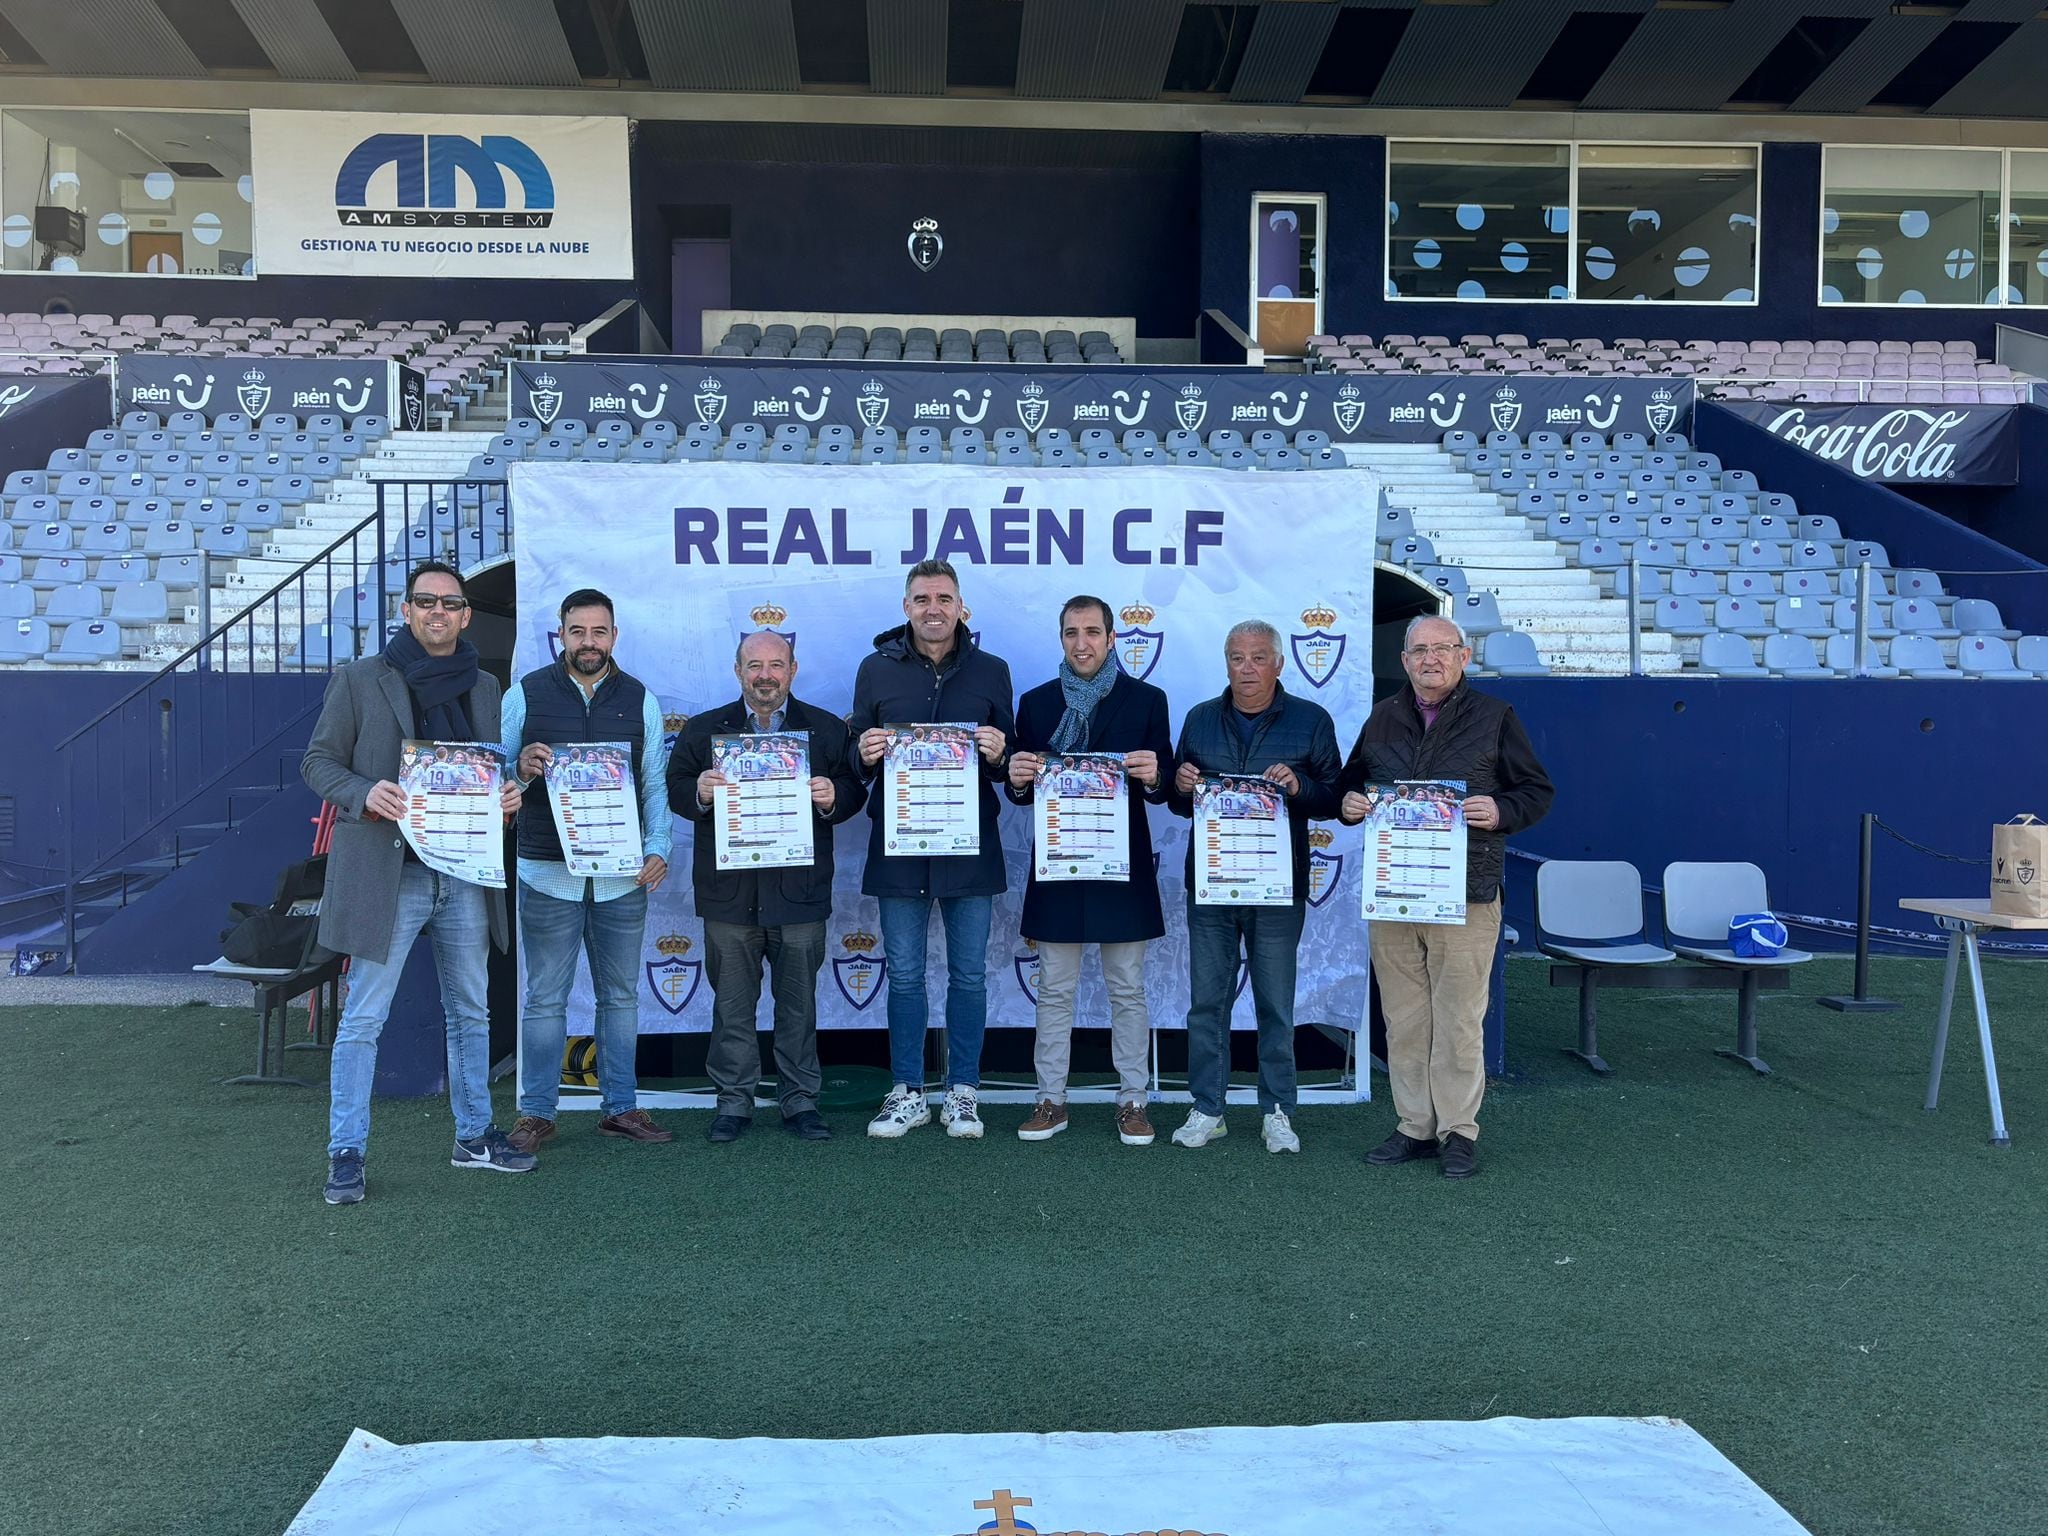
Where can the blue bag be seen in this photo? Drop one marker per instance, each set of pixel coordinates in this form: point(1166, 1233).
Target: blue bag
point(1756, 935)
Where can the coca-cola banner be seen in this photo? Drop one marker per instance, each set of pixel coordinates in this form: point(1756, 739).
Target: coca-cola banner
point(1899, 444)
point(1379, 409)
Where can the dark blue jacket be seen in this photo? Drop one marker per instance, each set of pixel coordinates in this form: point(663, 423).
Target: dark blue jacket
point(557, 712)
point(768, 898)
point(897, 685)
point(1293, 732)
point(1130, 718)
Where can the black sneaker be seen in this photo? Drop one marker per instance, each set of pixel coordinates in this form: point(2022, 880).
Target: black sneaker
point(344, 1177)
point(1400, 1148)
point(725, 1128)
point(1458, 1157)
point(491, 1150)
point(807, 1125)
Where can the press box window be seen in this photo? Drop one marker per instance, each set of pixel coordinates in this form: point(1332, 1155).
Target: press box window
point(1909, 226)
point(1667, 223)
point(1478, 221)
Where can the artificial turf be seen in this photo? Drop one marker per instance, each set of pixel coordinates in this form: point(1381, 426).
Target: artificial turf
point(1843, 1293)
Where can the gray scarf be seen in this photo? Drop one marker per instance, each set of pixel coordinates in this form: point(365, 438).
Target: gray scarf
point(1082, 695)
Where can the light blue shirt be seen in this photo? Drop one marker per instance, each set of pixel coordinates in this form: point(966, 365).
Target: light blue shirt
point(551, 877)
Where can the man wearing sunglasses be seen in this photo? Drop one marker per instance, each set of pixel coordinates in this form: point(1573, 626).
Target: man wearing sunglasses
point(1434, 977)
point(380, 898)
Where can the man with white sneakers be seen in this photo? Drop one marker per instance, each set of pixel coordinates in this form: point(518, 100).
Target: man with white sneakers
point(1259, 729)
point(931, 670)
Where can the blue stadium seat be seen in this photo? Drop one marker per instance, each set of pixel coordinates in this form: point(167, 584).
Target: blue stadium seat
point(110, 571)
point(1989, 656)
point(1223, 439)
point(25, 639)
point(78, 600)
point(645, 450)
point(1976, 616)
point(1655, 554)
point(1682, 616)
point(1920, 656)
point(1920, 616)
point(1751, 584)
point(17, 597)
point(1412, 551)
point(1742, 616)
point(614, 427)
point(697, 450)
point(1727, 655)
point(660, 431)
point(119, 461)
point(553, 450)
point(86, 643)
point(836, 450)
point(1066, 456)
point(1760, 555)
point(1477, 613)
point(1812, 525)
point(1866, 553)
point(877, 449)
point(1460, 442)
point(1600, 554)
point(107, 539)
point(602, 450)
point(1278, 458)
point(174, 537)
point(792, 432)
point(525, 429)
point(1739, 480)
point(46, 539)
point(787, 451)
point(1445, 578)
point(138, 603)
point(1511, 653)
point(1845, 619)
point(140, 421)
point(227, 540)
point(1307, 441)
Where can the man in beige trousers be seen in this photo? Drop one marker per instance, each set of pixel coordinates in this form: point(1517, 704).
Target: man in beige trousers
point(1433, 977)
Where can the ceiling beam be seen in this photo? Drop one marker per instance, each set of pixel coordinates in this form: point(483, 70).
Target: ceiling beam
point(1097, 50)
point(2007, 82)
point(718, 45)
point(907, 47)
point(489, 42)
point(1286, 44)
point(103, 37)
point(296, 38)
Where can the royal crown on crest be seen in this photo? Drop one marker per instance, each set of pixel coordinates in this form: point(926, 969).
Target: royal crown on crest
point(768, 614)
point(924, 226)
point(1348, 392)
point(253, 376)
point(674, 722)
point(873, 387)
point(1320, 837)
point(711, 386)
point(673, 944)
point(1322, 616)
point(1032, 390)
point(1191, 392)
point(1137, 613)
point(1660, 394)
point(1032, 945)
point(1505, 392)
point(860, 942)
point(545, 381)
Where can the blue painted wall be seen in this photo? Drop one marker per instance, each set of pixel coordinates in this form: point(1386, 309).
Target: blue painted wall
point(2011, 514)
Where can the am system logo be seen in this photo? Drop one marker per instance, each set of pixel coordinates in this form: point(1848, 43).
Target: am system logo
point(426, 167)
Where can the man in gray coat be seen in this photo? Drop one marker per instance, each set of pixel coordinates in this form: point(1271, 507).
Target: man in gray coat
point(425, 685)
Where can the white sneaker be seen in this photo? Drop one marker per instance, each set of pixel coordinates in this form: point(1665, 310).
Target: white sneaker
point(904, 1110)
point(1279, 1134)
point(960, 1114)
point(1200, 1130)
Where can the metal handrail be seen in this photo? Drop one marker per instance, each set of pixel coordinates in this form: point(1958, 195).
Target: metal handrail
point(432, 525)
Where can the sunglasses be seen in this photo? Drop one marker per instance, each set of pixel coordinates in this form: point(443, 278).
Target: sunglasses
point(427, 601)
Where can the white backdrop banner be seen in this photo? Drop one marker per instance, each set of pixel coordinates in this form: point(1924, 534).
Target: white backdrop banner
point(372, 194)
point(696, 555)
point(1531, 1477)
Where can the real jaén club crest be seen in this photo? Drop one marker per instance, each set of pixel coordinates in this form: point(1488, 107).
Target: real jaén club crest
point(1190, 408)
point(1032, 407)
point(544, 399)
point(926, 244)
point(253, 392)
point(673, 978)
point(1320, 651)
point(709, 400)
point(1506, 408)
point(1661, 411)
point(1348, 408)
point(1137, 645)
point(858, 973)
point(1325, 868)
point(873, 403)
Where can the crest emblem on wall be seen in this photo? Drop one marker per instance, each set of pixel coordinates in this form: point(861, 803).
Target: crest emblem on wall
point(1321, 651)
point(926, 244)
point(253, 392)
point(674, 978)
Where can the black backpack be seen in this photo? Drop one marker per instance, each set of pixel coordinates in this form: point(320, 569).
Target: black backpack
point(284, 935)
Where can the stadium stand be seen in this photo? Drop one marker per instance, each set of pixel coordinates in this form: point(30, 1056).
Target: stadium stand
point(1867, 369)
point(938, 342)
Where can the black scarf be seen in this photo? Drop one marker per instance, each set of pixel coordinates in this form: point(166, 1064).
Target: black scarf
point(439, 685)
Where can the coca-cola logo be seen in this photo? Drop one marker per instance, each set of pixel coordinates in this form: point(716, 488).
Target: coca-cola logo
point(1904, 444)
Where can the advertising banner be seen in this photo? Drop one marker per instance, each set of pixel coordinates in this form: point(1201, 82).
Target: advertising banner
point(1899, 444)
point(371, 194)
point(697, 555)
point(262, 386)
point(724, 392)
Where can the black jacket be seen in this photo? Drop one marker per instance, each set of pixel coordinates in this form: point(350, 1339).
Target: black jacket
point(1476, 738)
point(768, 898)
point(1130, 718)
point(1296, 733)
point(897, 685)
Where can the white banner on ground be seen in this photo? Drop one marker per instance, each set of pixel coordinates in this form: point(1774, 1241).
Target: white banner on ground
point(373, 194)
point(1532, 1477)
point(696, 555)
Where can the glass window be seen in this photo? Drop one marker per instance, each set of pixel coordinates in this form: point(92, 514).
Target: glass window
point(162, 193)
point(2027, 229)
point(1909, 226)
point(1667, 223)
point(1478, 221)
point(1287, 265)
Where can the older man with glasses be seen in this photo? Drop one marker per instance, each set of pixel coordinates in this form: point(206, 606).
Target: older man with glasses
point(1434, 977)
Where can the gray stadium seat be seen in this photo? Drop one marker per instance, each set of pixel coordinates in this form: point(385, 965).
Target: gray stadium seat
point(1920, 656)
point(2032, 653)
point(1976, 616)
point(86, 643)
point(1727, 655)
point(1700, 900)
point(1511, 653)
point(1793, 656)
point(140, 602)
point(1590, 912)
point(1989, 656)
point(26, 639)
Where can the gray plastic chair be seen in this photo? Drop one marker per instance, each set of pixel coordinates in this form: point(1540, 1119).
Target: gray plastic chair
point(1700, 900)
point(1591, 913)
point(1511, 653)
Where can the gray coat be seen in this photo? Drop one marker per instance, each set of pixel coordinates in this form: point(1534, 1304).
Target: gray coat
point(363, 723)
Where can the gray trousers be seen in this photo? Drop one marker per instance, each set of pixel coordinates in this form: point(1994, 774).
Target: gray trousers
point(1130, 1024)
point(733, 956)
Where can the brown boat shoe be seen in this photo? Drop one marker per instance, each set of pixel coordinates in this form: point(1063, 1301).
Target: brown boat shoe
point(633, 1125)
point(528, 1132)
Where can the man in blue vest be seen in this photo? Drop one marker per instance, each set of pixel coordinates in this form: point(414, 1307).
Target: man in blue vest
point(583, 698)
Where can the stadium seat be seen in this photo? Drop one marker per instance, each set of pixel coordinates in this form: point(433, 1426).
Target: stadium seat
point(1990, 657)
point(2032, 653)
point(1794, 657)
point(1920, 656)
point(1511, 653)
point(1976, 616)
point(137, 603)
point(46, 539)
point(226, 540)
point(1742, 616)
point(17, 597)
point(1840, 653)
point(24, 639)
point(1914, 615)
point(86, 643)
point(1729, 655)
point(1682, 616)
point(1445, 578)
point(1700, 901)
point(1590, 912)
point(1477, 613)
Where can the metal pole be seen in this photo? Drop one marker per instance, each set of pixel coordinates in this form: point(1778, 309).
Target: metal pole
point(1860, 1001)
point(1635, 618)
point(1862, 616)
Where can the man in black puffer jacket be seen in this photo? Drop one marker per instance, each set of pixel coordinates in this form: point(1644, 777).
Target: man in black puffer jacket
point(1434, 977)
point(929, 671)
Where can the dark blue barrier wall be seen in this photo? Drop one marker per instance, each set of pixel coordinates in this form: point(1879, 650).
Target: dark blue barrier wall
point(1033, 224)
point(59, 412)
point(360, 298)
point(1911, 534)
point(1777, 773)
point(2015, 515)
point(1352, 172)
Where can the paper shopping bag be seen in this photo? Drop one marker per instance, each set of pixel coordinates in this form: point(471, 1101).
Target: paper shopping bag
point(2019, 867)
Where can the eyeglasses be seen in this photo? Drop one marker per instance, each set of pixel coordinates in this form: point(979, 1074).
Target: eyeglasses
point(426, 602)
point(1443, 650)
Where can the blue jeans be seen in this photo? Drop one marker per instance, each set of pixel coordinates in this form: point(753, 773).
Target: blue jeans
point(453, 912)
point(904, 921)
point(1270, 939)
point(551, 932)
